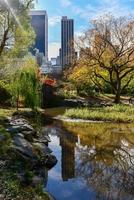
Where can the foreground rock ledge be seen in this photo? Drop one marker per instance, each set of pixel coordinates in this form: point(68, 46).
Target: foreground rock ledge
point(30, 144)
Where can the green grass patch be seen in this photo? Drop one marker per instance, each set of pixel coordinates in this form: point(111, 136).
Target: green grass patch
point(116, 113)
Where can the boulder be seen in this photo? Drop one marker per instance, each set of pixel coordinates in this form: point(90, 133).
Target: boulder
point(23, 146)
point(42, 147)
point(51, 161)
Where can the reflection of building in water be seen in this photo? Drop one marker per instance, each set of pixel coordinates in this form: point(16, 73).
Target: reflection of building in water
point(68, 143)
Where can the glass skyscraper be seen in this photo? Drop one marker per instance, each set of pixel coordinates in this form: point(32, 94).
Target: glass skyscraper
point(39, 21)
point(67, 39)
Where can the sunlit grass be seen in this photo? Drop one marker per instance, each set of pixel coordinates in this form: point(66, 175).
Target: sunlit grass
point(116, 113)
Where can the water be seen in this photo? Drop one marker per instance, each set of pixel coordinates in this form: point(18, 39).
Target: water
point(95, 161)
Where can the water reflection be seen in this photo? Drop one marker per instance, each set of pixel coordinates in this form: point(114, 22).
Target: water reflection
point(68, 144)
point(99, 157)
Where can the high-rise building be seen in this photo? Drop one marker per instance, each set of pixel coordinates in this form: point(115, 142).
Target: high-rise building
point(67, 40)
point(39, 21)
point(68, 143)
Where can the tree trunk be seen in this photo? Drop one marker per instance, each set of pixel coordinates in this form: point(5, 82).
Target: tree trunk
point(117, 97)
point(118, 89)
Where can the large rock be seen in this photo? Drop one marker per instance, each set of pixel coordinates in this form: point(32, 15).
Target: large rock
point(51, 161)
point(23, 146)
point(42, 148)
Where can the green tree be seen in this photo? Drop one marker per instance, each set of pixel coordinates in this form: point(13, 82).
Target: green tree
point(25, 84)
point(16, 36)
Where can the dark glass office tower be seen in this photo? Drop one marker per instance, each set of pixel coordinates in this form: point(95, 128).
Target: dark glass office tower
point(67, 38)
point(39, 21)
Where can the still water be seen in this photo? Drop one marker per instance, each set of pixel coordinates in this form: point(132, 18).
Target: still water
point(95, 161)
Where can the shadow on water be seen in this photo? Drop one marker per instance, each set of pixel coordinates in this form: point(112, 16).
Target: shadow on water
point(95, 161)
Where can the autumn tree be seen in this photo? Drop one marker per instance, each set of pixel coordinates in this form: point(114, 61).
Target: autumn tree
point(108, 50)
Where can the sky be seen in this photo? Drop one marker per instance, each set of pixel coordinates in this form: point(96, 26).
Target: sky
point(82, 11)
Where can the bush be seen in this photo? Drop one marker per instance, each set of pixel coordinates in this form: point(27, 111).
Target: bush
point(4, 96)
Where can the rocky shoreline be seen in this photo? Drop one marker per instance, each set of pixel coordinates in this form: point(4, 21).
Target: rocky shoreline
point(30, 144)
point(29, 148)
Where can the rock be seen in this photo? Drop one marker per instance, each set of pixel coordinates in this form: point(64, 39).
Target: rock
point(27, 127)
point(12, 130)
point(51, 161)
point(23, 146)
point(37, 180)
point(46, 137)
point(2, 197)
point(42, 147)
point(20, 135)
point(40, 141)
point(19, 121)
point(28, 135)
point(51, 197)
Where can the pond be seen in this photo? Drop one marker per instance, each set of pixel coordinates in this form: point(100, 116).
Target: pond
point(95, 161)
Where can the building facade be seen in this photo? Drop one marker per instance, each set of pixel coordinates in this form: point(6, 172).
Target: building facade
point(67, 40)
point(39, 21)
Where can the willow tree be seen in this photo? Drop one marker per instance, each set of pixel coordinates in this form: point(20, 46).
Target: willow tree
point(25, 85)
point(108, 49)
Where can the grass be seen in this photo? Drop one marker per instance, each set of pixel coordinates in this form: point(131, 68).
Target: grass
point(116, 113)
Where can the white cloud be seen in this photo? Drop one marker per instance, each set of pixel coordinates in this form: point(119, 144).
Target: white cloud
point(90, 11)
point(53, 49)
point(65, 3)
point(79, 32)
point(54, 20)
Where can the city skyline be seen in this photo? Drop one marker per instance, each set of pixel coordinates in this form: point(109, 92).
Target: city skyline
point(81, 12)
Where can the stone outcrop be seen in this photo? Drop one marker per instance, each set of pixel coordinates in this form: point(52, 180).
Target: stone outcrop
point(30, 144)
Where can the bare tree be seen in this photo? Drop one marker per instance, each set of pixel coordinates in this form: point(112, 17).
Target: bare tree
point(108, 48)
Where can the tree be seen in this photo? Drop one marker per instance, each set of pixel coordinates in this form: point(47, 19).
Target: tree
point(25, 84)
point(108, 49)
point(16, 34)
point(80, 76)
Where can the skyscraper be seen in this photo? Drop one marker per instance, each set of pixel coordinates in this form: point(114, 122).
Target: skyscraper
point(67, 38)
point(39, 21)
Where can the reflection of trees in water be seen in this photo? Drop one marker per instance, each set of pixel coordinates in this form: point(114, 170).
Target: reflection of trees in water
point(104, 157)
point(109, 170)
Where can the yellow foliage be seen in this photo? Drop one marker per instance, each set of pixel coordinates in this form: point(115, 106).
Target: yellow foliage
point(81, 74)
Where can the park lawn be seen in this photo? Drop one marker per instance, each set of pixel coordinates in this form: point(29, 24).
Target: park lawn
point(116, 113)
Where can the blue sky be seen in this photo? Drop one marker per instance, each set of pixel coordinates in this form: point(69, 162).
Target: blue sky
point(82, 11)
